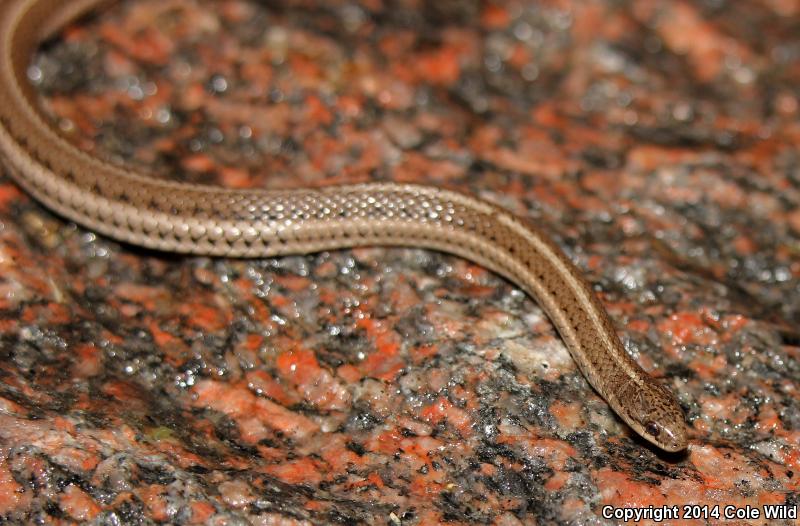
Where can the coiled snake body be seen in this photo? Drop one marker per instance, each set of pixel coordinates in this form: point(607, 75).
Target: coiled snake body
point(196, 219)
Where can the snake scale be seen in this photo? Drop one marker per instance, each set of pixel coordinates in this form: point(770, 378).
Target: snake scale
point(195, 219)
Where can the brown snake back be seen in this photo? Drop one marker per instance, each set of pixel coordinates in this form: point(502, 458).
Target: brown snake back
point(196, 219)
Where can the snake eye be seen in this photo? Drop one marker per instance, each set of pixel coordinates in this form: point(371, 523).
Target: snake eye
point(652, 428)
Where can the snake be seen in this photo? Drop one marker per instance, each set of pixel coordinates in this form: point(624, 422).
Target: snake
point(135, 207)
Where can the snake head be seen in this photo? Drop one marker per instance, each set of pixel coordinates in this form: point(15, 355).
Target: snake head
point(655, 414)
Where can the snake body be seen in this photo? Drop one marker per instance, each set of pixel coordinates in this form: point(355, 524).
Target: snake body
point(195, 219)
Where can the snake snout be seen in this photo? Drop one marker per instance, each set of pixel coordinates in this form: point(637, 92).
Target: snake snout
point(673, 438)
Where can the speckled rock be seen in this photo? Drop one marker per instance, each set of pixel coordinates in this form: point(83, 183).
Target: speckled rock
point(655, 141)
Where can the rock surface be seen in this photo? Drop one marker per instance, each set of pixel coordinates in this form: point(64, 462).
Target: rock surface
point(655, 141)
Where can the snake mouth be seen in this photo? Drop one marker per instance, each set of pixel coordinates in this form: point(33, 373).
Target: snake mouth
point(676, 444)
point(669, 438)
point(675, 447)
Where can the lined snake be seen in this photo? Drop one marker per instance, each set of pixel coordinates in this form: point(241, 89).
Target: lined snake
point(194, 219)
